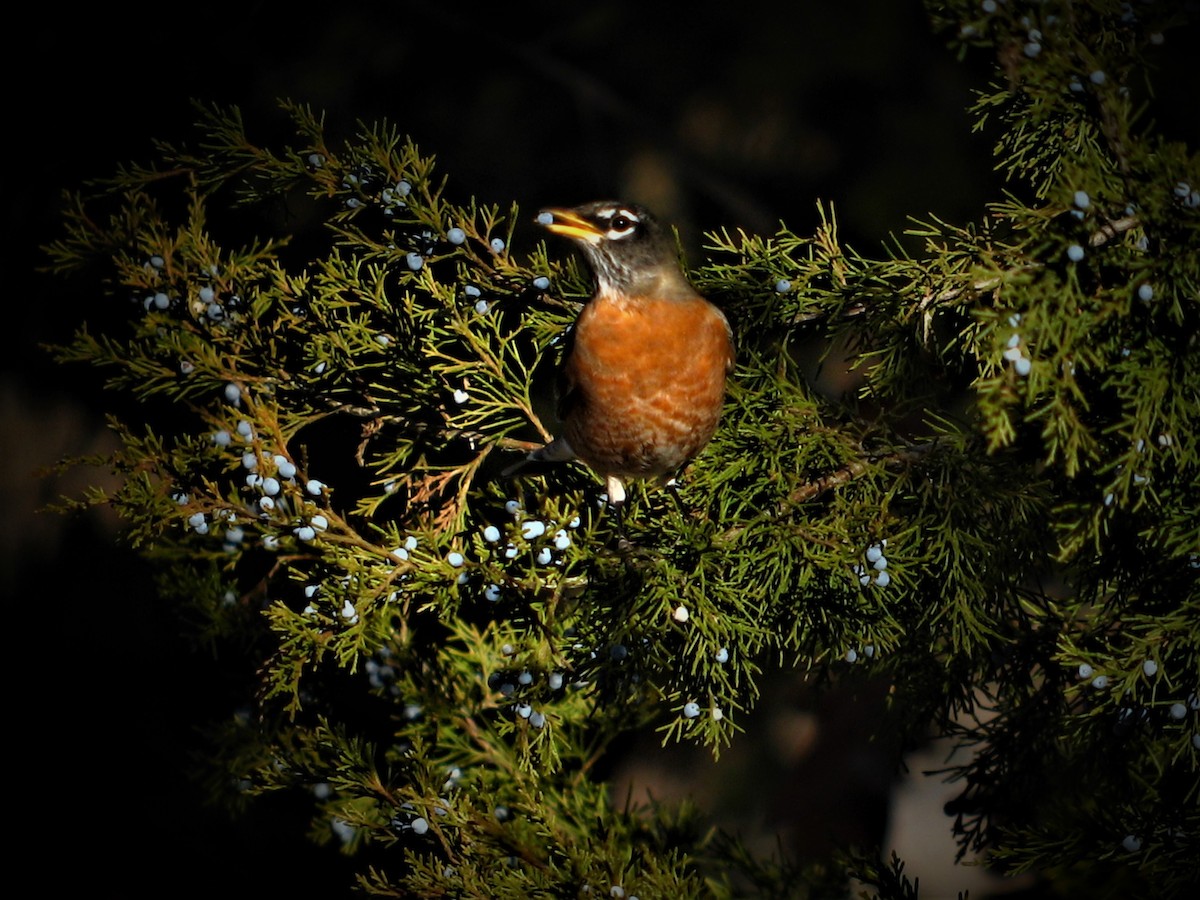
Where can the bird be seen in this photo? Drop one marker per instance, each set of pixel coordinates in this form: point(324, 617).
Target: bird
point(644, 366)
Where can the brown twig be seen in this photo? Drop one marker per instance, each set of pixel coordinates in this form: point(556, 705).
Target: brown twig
point(844, 475)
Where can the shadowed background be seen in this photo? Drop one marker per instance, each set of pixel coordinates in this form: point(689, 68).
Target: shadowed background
point(723, 115)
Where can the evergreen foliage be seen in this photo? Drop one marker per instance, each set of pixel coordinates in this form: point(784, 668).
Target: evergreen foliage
point(1002, 520)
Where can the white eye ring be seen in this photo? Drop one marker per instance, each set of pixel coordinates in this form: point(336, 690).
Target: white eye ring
point(625, 223)
point(622, 222)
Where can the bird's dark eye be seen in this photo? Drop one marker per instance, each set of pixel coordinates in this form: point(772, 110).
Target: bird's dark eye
point(622, 224)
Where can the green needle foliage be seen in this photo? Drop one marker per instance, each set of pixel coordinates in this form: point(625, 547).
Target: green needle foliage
point(1002, 520)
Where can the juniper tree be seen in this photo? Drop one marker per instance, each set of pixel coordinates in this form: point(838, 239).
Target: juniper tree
point(1001, 521)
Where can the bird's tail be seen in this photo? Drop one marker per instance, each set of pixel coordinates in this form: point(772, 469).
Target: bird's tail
point(558, 450)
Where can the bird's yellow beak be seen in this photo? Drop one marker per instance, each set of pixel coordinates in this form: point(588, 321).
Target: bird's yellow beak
point(569, 224)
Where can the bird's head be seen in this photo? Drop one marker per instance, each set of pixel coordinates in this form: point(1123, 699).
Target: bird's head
point(626, 247)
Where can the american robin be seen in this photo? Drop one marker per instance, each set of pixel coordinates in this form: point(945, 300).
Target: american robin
point(643, 373)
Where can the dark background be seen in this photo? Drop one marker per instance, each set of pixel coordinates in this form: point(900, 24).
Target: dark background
point(714, 114)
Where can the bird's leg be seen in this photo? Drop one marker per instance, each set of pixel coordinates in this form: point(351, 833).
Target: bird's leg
point(672, 486)
point(616, 500)
point(624, 545)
